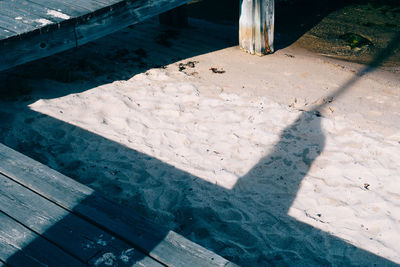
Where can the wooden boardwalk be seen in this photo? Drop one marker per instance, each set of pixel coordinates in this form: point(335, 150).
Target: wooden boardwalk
point(33, 29)
point(48, 218)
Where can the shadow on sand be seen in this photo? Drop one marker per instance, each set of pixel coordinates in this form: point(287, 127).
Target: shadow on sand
point(286, 241)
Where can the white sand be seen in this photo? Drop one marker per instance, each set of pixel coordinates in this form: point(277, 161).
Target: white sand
point(239, 162)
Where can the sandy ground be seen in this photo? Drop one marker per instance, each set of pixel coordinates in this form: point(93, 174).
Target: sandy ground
point(323, 26)
point(377, 22)
point(287, 159)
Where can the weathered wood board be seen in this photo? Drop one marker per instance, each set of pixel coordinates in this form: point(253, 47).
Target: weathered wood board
point(15, 251)
point(34, 29)
point(167, 247)
point(74, 235)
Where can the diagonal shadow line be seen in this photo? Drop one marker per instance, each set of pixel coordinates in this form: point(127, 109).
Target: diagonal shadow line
point(286, 240)
point(304, 139)
point(375, 63)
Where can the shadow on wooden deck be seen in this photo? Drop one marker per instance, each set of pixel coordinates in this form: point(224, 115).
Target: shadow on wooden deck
point(294, 243)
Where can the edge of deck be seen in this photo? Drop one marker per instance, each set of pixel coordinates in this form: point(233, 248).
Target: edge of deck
point(77, 31)
point(162, 245)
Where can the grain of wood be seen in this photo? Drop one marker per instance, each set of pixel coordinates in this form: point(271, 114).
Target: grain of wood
point(28, 11)
point(12, 24)
point(6, 33)
point(74, 235)
point(166, 246)
point(17, 14)
point(82, 21)
point(16, 251)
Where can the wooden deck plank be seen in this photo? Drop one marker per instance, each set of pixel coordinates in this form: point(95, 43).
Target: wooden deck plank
point(76, 236)
point(64, 6)
point(166, 246)
point(12, 24)
point(15, 249)
point(108, 2)
point(94, 5)
point(51, 40)
point(28, 11)
point(88, 28)
point(26, 14)
point(41, 9)
point(90, 5)
point(17, 51)
point(5, 33)
point(75, 8)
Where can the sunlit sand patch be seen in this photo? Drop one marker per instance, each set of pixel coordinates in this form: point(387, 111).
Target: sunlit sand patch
point(218, 139)
point(221, 138)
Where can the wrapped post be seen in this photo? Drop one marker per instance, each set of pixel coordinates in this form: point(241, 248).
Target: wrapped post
point(256, 26)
